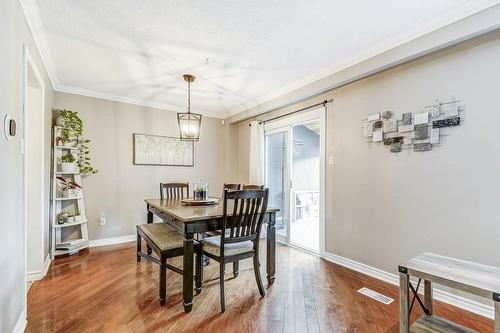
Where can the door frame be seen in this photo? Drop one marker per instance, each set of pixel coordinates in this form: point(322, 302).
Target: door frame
point(29, 62)
point(286, 124)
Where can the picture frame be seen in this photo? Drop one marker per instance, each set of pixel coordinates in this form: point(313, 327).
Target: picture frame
point(158, 150)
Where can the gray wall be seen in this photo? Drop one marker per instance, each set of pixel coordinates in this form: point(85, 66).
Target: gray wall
point(14, 33)
point(383, 208)
point(119, 188)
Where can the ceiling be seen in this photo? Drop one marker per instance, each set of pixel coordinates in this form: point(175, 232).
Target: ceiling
point(242, 52)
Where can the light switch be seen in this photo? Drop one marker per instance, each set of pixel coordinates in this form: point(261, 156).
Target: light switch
point(331, 160)
point(102, 219)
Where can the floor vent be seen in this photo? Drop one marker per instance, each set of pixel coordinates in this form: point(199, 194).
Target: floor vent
point(375, 295)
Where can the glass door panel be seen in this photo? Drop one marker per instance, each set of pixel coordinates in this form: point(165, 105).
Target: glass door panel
point(305, 159)
point(277, 177)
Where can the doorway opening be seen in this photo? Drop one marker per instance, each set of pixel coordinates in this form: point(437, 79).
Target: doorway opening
point(294, 170)
point(33, 171)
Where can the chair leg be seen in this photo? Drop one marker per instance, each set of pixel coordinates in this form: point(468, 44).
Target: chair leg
point(163, 281)
point(138, 247)
point(199, 272)
point(222, 299)
point(236, 268)
point(256, 269)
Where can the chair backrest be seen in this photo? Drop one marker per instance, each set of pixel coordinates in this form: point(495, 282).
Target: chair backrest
point(253, 187)
point(246, 215)
point(173, 190)
point(232, 187)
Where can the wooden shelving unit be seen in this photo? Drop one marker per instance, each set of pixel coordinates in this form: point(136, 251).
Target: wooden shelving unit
point(68, 231)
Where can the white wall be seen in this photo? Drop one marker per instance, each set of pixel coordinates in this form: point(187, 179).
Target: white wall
point(119, 188)
point(14, 33)
point(383, 208)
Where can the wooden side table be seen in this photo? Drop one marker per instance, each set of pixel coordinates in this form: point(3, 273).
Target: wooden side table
point(477, 279)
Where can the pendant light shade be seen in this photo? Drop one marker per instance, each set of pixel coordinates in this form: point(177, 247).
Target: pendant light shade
point(189, 123)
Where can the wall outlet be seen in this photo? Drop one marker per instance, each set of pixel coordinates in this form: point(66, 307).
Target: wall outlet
point(331, 160)
point(102, 219)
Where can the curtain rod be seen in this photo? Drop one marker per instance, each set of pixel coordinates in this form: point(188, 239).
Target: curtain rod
point(296, 111)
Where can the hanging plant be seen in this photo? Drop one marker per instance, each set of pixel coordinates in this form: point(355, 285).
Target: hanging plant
point(72, 134)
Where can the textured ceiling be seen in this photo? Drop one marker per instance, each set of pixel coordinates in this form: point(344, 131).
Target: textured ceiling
point(242, 52)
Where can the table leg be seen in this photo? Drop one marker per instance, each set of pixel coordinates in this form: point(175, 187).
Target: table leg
point(149, 220)
point(187, 276)
point(404, 303)
point(497, 316)
point(428, 296)
point(271, 248)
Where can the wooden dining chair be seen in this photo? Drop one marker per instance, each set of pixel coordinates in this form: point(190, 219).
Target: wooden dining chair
point(174, 190)
point(242, 227)
point(232, 187)
point(253, 187)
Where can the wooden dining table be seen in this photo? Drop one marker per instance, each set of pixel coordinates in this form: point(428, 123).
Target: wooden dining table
point(190, 220)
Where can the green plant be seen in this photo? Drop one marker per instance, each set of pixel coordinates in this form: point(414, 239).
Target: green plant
point(72, 125)
point(72, 130)
point(68, 158)
point(84, 161)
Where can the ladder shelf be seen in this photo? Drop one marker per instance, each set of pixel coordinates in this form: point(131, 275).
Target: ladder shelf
point(75, 232)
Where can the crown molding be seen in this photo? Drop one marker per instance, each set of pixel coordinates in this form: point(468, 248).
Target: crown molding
point(128, 100)
point(32, 15)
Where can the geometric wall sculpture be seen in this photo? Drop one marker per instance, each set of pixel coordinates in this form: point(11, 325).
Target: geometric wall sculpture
point(417, 132)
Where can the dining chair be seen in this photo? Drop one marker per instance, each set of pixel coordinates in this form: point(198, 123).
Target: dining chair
point(253, 187)
point(232, 187)
point(241, 233)
point(174, 190)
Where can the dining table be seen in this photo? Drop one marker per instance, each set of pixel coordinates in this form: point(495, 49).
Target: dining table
point(190, 220)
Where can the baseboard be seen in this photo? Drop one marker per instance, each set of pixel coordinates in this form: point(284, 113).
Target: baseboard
point(21, 323)
point(38, 275)
point(34, 276)
point(46, 265)
point(440, 295)
point(112, 240)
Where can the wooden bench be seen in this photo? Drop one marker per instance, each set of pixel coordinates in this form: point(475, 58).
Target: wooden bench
point(474, 278)
point(167, 243)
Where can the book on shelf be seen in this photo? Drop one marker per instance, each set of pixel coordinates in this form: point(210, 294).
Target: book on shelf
point(70, 245)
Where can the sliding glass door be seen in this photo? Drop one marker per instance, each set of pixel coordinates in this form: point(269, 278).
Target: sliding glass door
point(277, 176)
point(293, 176)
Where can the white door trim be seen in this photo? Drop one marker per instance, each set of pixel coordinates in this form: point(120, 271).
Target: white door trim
point(285, 124)
point(29, 61)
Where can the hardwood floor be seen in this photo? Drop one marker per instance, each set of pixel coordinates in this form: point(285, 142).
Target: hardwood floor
point(105, 290)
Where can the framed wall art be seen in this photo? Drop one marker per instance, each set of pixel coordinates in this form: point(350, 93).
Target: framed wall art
point(162, 150)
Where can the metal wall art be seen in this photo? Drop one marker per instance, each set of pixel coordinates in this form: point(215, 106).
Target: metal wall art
point(418, 132)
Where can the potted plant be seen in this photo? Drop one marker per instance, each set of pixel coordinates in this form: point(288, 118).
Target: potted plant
point(68, 163)
point(72, 136)
point(71, 128)
point(77, 215)
point(69, 189)
point(62, 217)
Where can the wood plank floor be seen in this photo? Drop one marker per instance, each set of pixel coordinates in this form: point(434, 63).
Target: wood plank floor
point(105, 290)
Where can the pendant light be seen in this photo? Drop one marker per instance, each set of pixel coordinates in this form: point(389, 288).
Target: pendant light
point(189, 123)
